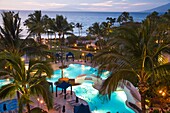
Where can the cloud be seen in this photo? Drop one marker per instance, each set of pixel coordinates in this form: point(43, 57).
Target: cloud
point(120, 3)
point(44, 5)
point(103, 4)
point(140, 4)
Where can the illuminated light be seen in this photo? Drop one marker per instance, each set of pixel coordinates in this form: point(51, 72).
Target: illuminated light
point(75, 45)
point(22, 59)
point(5, 67)
point(87, 46)
point(156, 41)
point(160, 91)
point(26, 67)
point(95, 48)
point(95, 52)
point(48, 56)
point(38, 99)
point(147, 101)
point(41, 101)
point(80, 49)
point(82, 54)
point(7, 80)
point(160, 41)
point(57, 46)
point(163, 94)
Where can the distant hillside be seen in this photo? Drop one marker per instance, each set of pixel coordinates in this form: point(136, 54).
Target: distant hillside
point(162, 8)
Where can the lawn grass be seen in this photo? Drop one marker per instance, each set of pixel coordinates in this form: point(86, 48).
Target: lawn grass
point(77, 52)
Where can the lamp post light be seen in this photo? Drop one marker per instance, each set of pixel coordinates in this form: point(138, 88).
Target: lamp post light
point(82, 56)
point(163, 93)
point(75, 45)
point(40, 102)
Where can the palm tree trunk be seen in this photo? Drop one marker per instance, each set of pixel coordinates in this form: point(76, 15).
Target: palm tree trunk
point(143, 87)
point(61, 50)
point(79, 32)
point(39, 38)
point(18, 95)
point(28, 108)
point(27, 105)
point(143, 96)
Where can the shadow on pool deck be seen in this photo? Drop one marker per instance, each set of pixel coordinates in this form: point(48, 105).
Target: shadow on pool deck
point(59, 102)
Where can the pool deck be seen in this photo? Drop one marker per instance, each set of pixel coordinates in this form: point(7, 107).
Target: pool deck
point(59, 102)
point(55, 66)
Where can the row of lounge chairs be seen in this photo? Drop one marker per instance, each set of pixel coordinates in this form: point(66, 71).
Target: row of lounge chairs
point(57, 107)
point(72, 102)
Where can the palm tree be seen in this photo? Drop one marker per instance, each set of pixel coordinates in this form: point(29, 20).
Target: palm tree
point(10, 33)
point(25, 81)
point(101, 32)
point(11, 38)
point(111, 20)
point(96, 30)
point(124, 17)
point(79, 26)
point(36, 24)
point(153, 15)
point(62, 27)
point(134, 52)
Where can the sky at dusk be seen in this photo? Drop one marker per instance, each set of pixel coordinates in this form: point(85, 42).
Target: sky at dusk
point(82, 5)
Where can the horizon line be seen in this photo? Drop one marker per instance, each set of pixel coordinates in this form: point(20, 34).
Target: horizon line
point(79, 11)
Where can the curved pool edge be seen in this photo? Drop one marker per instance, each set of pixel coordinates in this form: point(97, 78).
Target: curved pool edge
point(100, 108)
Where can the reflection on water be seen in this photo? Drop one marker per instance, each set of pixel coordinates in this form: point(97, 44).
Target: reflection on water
point(99, 104)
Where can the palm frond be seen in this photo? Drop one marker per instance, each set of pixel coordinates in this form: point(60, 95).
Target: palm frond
point(7, 91)
point(43, 89)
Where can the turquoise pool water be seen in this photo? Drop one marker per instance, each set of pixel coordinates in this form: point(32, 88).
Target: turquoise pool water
point(97, 104)
point(4, 82)
point(74, 70)
point(88, 93)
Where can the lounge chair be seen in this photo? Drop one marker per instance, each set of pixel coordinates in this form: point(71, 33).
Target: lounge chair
point(73, 101)
point(75, 104)
point(70, 99)
point(57, 106)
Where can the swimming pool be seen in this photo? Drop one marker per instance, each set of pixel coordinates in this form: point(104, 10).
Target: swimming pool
point(74, 70)
point(4, 82)
point(89, 94)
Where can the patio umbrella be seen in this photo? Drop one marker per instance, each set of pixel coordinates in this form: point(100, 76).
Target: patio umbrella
point(64, 85)
point(69, 54)
point(81, 109)
point(89, 55)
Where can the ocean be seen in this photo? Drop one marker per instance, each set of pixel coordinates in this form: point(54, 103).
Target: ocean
point(86, 18)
